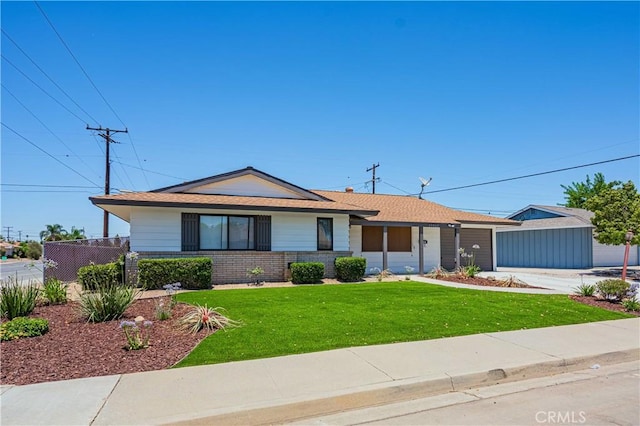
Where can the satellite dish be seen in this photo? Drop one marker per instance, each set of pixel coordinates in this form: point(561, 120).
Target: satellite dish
point(423, 183)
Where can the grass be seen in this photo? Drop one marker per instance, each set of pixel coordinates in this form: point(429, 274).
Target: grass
point(292, 320)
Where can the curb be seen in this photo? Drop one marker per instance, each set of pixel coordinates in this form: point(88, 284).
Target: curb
point(397, 391)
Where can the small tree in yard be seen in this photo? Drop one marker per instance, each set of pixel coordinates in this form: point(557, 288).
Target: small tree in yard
point(616, 211)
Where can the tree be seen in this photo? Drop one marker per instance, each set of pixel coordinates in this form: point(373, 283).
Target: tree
point(75, 234)
point(616, 211)
point(53, 232)
point(577, 194)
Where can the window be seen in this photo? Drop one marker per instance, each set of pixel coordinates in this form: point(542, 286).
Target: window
point(325, 233)
point(227, 233)
point(398, 238)
point(372, 238)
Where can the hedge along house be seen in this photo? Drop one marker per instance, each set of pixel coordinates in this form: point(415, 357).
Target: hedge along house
point(556, 237)
point(248, 218)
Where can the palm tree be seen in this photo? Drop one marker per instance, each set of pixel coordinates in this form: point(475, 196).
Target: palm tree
point(75, 234)
point(53, 232)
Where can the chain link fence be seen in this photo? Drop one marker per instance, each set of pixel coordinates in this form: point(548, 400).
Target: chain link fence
point(69, 256)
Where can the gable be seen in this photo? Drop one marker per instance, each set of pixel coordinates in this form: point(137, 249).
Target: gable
point(248, 186)
point(247, 182)
point(533, 214)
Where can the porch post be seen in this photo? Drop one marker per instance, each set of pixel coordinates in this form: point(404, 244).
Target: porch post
point(420, 250)
point(456, 233)
point(384, 248)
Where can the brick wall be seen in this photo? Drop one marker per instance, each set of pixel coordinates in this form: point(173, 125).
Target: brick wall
point(230, 267)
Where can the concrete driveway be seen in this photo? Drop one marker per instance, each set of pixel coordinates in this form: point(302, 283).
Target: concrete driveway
point(563, 280)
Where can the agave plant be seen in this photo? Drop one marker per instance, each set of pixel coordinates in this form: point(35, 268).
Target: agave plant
point(203, 317)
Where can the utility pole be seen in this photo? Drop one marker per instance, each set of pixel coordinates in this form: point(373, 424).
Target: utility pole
point(8, 228)
point(107, 174)
point(373, 179)
point(19, 235)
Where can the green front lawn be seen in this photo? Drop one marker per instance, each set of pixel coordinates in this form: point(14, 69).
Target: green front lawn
point(292, 320)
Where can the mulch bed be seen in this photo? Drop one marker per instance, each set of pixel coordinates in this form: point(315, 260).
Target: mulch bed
point(74, 348)
point(601, 303)
point(487, 282)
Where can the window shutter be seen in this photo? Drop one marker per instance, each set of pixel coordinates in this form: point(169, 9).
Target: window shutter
point(263, 233)
point(190, 232)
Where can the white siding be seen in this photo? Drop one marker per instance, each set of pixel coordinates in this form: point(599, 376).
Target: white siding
point(248, 185)
point(155, 229)
point(604, 255)
point(397, 261)
point(159, 229)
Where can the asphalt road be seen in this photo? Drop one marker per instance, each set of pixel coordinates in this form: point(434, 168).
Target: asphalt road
point(22, 268)
point(606, 396)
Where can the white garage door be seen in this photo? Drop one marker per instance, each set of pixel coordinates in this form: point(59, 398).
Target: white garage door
point(604, 255)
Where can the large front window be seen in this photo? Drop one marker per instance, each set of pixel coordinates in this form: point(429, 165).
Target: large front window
point(227, 233)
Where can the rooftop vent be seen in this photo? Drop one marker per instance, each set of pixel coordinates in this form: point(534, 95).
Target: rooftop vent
point(348, 189)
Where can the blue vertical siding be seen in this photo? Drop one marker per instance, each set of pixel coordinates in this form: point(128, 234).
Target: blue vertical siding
point(570, 248)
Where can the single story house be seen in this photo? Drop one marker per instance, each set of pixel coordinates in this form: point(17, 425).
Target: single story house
point(247, 218)
point(556, 237)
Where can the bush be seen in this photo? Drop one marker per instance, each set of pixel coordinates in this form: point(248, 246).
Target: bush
point(54, 291)
point(16, 298)
point(612, 289)
point(23, 327)
point(108, 302)
point(631, 304)
point(33, 250)
point(585, 290)
point(307, 272)
point(192, 272)
point(93, 276)
point(350, 269)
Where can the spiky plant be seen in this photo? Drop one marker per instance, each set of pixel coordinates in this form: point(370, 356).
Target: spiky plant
point(203, 317)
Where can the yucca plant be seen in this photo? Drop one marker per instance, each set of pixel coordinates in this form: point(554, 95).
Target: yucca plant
point(203, 317)
point(585, 290)
point(16, 298)
point(108, 302)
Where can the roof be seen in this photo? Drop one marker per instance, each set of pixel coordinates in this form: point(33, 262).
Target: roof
point(226, 202)
point(410, 210)
point(569, 217)
point(365, 208)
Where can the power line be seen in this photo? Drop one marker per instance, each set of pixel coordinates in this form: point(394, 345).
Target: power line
point(115, 154)
point(150, 171)
point(48, 191)
point(45, 126)
point(533, 174)
point(135, 151)
point(55, 159)
point(47, 186)
point(43, 90)
point(47, 75)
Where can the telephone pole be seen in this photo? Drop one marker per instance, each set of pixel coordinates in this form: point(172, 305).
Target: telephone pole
point(373, 179)
point(8, 228)
point(107, 174)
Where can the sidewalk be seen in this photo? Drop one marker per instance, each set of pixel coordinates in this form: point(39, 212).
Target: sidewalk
point(292, 388)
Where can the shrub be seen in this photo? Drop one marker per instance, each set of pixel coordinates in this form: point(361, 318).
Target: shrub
point(614, 290)
point(108, 302)
point(192, 272)
point(307, 272)
point(33, 250)
point(585, 290)
point(204, 317)
point(350, 269)
point(94, 276)
point(54, 291)
point(23, 327)
point(631, 304)
point(381, 274)
point(16, 298)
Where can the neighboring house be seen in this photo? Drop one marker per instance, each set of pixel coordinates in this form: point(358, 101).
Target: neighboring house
point(248, 218)
point(556, 237)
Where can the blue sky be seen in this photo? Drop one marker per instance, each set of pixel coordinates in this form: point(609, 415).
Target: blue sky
point(315, 93)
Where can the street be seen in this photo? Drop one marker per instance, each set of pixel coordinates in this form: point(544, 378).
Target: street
point(22, 268)
point(603, 396)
